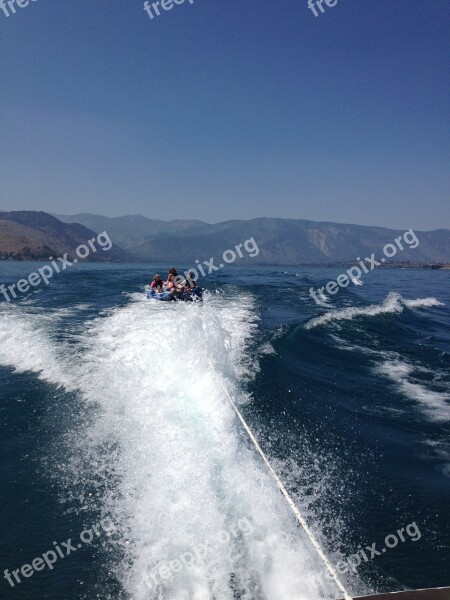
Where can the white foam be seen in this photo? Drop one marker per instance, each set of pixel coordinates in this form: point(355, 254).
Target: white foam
point(441, 449)
point(422, 303)
point(393, 303)
point(183, 472)
point(356, 281)
point(267, 349)
point(323, 300)
point(392, 365)
point(434, 404)
point(26, 344)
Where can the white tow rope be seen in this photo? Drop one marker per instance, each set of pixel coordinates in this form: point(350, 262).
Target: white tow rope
point(285, 493)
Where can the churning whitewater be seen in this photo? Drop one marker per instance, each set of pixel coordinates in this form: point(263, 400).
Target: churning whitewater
point(159, 450)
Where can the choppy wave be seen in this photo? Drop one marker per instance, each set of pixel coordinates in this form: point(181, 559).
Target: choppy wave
point(435, 404)
point(393, 303)
point(404, 374)
point(183, 476)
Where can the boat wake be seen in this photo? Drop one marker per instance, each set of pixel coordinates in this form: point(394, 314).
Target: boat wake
point(157, 449)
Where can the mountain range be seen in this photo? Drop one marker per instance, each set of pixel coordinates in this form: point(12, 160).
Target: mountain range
point(27, 235)
point(281, 241)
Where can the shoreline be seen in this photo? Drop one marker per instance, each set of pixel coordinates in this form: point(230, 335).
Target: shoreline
point(242, 264)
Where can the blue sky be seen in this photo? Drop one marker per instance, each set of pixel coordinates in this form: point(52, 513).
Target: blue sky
point(228, 109)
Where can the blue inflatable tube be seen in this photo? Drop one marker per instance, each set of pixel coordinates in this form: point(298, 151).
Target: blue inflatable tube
point(195, 294)
point(164, 296)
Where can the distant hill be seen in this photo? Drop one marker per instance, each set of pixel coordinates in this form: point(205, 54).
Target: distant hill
point(131, 231)
point(27, 235)
point(281, 241)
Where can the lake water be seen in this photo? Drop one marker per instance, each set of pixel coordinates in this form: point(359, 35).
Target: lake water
point(114, 407)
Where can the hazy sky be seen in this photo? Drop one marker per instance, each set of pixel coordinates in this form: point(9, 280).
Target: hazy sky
point(228, 109)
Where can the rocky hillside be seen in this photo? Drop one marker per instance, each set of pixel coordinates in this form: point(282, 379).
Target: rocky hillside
point(27, 235)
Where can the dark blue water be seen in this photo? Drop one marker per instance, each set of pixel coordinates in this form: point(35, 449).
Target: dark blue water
point(113, 406)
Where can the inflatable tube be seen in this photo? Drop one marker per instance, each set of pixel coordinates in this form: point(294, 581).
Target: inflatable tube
point(194, 295)
point(164, 296)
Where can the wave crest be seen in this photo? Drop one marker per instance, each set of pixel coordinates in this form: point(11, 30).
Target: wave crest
point(393, 303)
